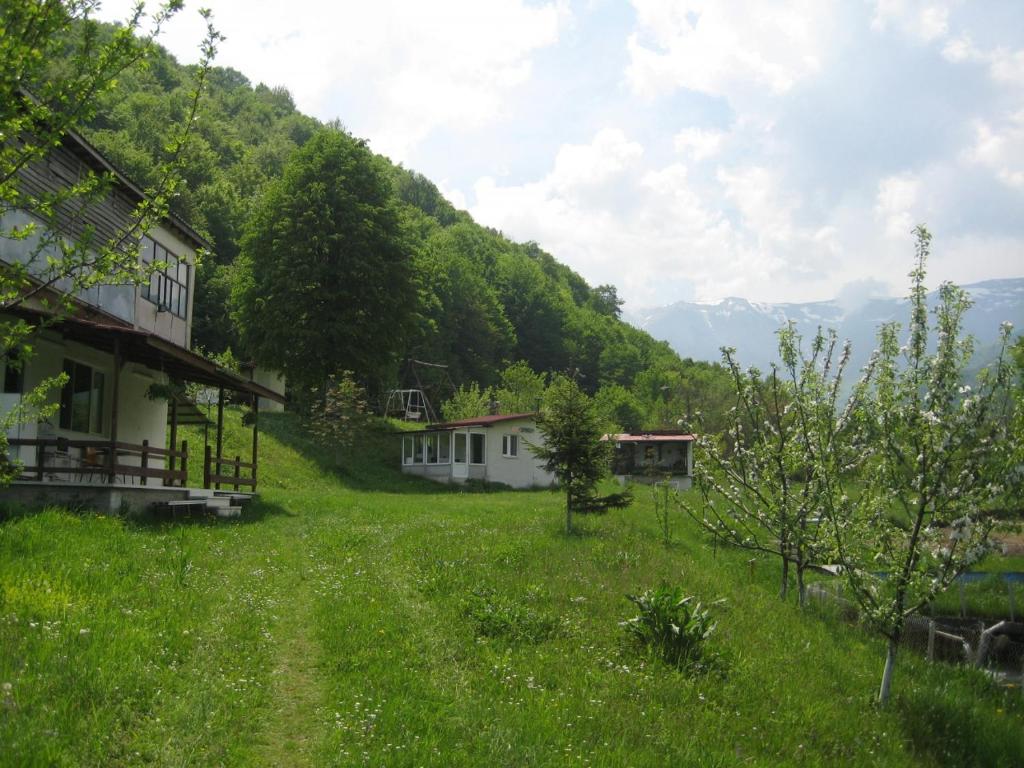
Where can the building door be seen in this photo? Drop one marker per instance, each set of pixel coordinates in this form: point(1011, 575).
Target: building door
point(460, 458)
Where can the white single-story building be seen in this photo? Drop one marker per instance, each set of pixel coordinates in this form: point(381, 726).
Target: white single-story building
point(495, 449)
point(656, 456)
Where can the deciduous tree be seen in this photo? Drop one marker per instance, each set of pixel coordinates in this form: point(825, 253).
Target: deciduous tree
point(325, 279)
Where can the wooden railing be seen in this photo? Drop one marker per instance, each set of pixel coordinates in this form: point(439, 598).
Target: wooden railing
point(56, 456)
point(213, 471)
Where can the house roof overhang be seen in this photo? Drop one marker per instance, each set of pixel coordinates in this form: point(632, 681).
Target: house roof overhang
point(651, 437)
point(153, 352)
point(481, 421)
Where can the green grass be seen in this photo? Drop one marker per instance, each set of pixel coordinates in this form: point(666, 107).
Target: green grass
point(357, 616)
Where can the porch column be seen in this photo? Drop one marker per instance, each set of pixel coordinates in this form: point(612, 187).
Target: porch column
point(170, 463)
point(255, 437)
point(220, 432)
point(112, 456)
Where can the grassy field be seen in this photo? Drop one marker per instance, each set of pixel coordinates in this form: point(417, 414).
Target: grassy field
point(359, 617)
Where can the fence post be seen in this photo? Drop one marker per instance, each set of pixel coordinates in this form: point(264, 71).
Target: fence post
point(931, 640)
point(206, 467)
point(145, 461)
point(184, 463)
point(238, 471)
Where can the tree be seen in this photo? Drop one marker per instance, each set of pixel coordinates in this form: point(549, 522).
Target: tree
point(468, 402)
point(521, 390)
point(760, 488)
point(573, 448)
point(325, 282)
point(55, 64)
point(927, 448)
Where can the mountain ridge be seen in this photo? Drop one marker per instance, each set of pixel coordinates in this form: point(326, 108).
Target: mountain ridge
point(698, 331)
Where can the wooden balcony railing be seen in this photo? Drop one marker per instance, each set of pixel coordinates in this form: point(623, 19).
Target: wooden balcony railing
point(83, 460)
point(213, 472)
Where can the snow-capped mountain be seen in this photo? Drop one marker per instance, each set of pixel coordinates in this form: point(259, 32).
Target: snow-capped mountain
point(699, 331)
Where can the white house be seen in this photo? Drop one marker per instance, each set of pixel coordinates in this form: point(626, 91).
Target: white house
point(656, 456)
point(495, 449)
point(124, 349)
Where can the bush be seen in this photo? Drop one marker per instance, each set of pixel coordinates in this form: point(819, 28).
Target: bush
point(674, 626)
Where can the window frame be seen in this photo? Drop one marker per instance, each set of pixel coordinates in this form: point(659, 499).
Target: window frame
point(510, 446)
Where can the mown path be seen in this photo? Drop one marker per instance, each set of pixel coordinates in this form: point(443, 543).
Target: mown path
point(291, 735)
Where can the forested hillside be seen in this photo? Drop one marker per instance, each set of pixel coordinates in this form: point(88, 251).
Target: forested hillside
point(465, 296)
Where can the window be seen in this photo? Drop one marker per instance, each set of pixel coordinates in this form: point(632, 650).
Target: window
point(460, 448)
point(81, 399)
point(407, 449)
point(444, 451)
point(167, 287)
point(12, 379)
point(476, 449)
point(510, 445)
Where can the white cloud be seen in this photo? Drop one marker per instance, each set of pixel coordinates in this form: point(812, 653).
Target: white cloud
point(1000, 148)
point(697, 143)
point(896, 204)
point(920, 19)
point(726, 48)
point(667, 233)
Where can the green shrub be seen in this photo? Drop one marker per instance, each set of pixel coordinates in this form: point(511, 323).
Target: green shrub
point(672, 625)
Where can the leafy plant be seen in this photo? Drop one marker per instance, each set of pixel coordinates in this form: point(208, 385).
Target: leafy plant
point(498, 616)
point(674, 626)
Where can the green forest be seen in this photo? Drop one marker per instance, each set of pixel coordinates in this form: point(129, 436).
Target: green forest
point(330, 258)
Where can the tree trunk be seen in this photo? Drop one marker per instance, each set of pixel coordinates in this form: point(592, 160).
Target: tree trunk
point(890, 662)
point(784, 589)
point(801, 586)
point(568, 512)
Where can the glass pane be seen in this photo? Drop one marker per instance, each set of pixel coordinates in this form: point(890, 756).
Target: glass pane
point(65, 396)
point(97, 402)
point(12, 376)
point(81, 395)
point(460, 447)
point(444, 451)
point(407, 450)
point(476, 449)
point(417, 454)
point(146, 250)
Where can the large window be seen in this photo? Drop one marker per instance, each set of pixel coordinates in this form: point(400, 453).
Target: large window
point(426, 448)
point(81, 399)
point(167, 287)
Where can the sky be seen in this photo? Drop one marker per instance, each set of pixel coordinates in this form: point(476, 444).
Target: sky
point(679, 150)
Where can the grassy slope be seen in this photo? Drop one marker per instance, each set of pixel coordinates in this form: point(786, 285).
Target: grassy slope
point(330, 628)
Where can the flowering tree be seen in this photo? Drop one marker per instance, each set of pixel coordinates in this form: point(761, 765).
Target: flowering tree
point(760, 486)
point(928, 448)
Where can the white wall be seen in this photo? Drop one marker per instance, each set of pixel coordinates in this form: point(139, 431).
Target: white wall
point(139, 418)
point(524, 470)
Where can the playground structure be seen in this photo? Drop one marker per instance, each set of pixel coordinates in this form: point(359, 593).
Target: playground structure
point(424, 380)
